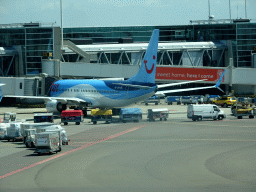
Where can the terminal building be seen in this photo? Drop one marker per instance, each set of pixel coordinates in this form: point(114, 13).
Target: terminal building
point(33, 55)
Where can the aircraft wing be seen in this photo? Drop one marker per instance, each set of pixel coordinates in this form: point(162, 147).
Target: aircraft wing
point(180, 83)
point(161, 93)
point(135, 86)
point(65, 100)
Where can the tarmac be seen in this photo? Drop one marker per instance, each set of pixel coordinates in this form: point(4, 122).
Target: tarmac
point(173, 155)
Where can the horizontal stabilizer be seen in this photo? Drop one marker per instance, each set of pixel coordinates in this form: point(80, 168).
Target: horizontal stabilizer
point(180, 83)
point(60, 99)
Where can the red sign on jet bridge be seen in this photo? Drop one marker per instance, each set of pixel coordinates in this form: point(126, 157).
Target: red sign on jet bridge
point(188, 74)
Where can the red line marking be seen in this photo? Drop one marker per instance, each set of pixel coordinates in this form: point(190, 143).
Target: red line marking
point(71, 151)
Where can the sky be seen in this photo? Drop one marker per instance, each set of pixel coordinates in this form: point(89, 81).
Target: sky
point(88, 13)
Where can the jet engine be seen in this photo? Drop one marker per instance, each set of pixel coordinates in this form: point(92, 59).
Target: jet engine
point(54, 106)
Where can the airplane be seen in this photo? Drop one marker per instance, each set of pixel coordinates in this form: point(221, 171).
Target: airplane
point(112, 94)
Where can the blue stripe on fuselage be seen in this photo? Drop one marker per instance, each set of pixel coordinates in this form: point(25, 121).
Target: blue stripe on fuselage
point(109, 89)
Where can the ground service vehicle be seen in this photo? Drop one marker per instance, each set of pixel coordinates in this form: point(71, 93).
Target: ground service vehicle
point(204, 111)
point(101, 115)
point(29, 140)
point(224, 101)
point(185, 100)
point(43, 117)
point(162, 114)
point(72, 116)
point(154, 99)
point(48, 142)
point(130, 114)
point(170, 99)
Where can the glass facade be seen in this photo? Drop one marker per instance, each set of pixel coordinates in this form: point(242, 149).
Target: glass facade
point(242, 36)
point(36, 40)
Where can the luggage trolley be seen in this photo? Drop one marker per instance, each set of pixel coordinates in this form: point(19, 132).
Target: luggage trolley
point(101, 115)
point(72, 116)
point(162, 114)
point(130, 114)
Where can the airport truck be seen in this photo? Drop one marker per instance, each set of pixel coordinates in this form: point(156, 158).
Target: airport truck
point(170, 99)
point(224, 101)
point(48, 142)
point(29, 138)
point(204, 111)
point(153, 99)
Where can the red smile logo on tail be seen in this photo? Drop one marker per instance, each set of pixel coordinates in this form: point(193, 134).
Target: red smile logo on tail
point(151, 70)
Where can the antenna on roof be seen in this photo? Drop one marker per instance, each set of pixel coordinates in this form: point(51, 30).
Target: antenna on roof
point(245, 10)
point(229, 10)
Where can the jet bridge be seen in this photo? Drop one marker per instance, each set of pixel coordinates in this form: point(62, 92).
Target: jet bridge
point(171, 53)
point(7, 60)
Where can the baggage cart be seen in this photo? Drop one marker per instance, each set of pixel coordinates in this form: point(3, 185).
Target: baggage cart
point(101, 115)
point(185, 100)
point(161, 114)
point(43, 117)
point(54, 128)
point(24, 126)
point(3, 130)
point(13, 132)
point(130, 114)
point(170, 99)
point(9, 117)
point(240, 113)
point(48, 142)
point(72, 116)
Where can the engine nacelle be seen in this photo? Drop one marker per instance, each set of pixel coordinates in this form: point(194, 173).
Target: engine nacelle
point(54, 106)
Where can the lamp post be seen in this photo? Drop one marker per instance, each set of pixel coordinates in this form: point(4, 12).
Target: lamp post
point(61, 26)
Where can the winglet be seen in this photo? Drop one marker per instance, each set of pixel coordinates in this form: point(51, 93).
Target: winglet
point(1, 94)
point(219, 81)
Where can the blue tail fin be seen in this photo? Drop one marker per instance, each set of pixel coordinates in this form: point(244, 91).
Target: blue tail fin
point(147, 71)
